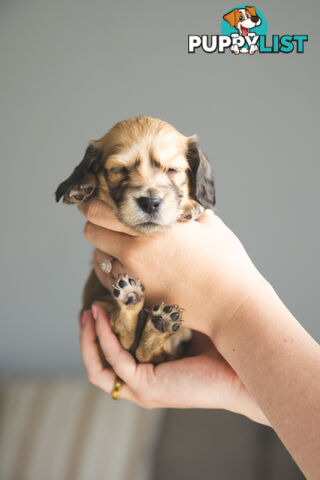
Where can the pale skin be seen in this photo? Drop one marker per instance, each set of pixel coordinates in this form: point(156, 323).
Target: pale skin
point(263, 363)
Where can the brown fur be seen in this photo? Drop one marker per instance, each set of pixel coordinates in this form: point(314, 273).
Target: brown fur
point(252, 11)
point(233, 17)
point(142, 157)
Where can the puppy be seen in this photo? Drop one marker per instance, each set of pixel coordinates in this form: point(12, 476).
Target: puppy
point(243, 19)
point(151, 176)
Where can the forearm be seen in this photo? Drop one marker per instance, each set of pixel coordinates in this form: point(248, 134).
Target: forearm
point(279, 363)
point(202, 266)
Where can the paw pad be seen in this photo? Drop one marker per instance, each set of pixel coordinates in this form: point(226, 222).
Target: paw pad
point(166, 318)
point(128, 291)
point(77, 190)
point(79, 193)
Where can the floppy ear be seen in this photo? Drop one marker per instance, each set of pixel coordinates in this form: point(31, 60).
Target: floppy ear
point(201, 182)
point(83, 182)
point(230, 18)
point(252, 11)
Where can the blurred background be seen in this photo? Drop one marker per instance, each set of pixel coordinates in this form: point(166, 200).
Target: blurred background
point(70, 69)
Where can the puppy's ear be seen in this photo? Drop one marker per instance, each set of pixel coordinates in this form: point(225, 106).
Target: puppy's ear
point(252, 11)
point(201, 183)
point(230, 18)
point(83, 182)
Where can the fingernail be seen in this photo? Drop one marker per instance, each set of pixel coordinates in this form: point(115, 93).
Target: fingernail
point(84, 318)
point(94, 310)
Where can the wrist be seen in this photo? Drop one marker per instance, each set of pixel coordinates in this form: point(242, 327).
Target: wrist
point(244, 314)
point(229, 308)
point(247, 406)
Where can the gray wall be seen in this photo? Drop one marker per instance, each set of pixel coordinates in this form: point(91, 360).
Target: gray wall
point(70, 69)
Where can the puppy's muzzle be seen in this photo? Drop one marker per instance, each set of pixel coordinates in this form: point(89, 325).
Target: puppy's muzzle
point(149, 204)
point(255, 19)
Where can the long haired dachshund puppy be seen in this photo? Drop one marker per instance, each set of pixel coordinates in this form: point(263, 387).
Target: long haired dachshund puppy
point(151, 176)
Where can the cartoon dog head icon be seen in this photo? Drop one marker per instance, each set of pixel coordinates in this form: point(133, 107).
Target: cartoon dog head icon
point(243, 19)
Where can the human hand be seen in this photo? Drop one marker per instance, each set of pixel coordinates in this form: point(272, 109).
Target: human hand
point(204, 380)
point(200, 265)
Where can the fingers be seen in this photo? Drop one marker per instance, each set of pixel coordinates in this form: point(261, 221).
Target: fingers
point(100, 214)
point(113, 243)
point(90, 355)
point(103, 378)
point(120, 360)
point(107, 279)
point(136, 378)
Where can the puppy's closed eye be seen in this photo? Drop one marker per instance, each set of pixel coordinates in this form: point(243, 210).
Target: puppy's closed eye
point(122, 170)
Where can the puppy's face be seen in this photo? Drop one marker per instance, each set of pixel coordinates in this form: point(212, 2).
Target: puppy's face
point(243, 19)
point(150, 174)
point(145, 179)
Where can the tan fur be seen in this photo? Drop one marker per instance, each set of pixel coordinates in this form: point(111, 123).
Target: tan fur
point(143, 139)
point(139, 157)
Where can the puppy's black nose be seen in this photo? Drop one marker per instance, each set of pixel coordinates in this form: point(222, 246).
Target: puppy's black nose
point(149, 204)
point(255, 18)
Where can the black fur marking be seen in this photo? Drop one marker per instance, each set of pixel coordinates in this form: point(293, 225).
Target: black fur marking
point(155, 163)
point(91, 162)
point(201, 181)
point(117, 192)
point(136, 164)
point(142, 320)
point(105, 174)
point(177, 190)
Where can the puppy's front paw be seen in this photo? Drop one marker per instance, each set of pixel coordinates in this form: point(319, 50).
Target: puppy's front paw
point(191, 210)
point(128, 291)
point(166, 318)
point(77, 192)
